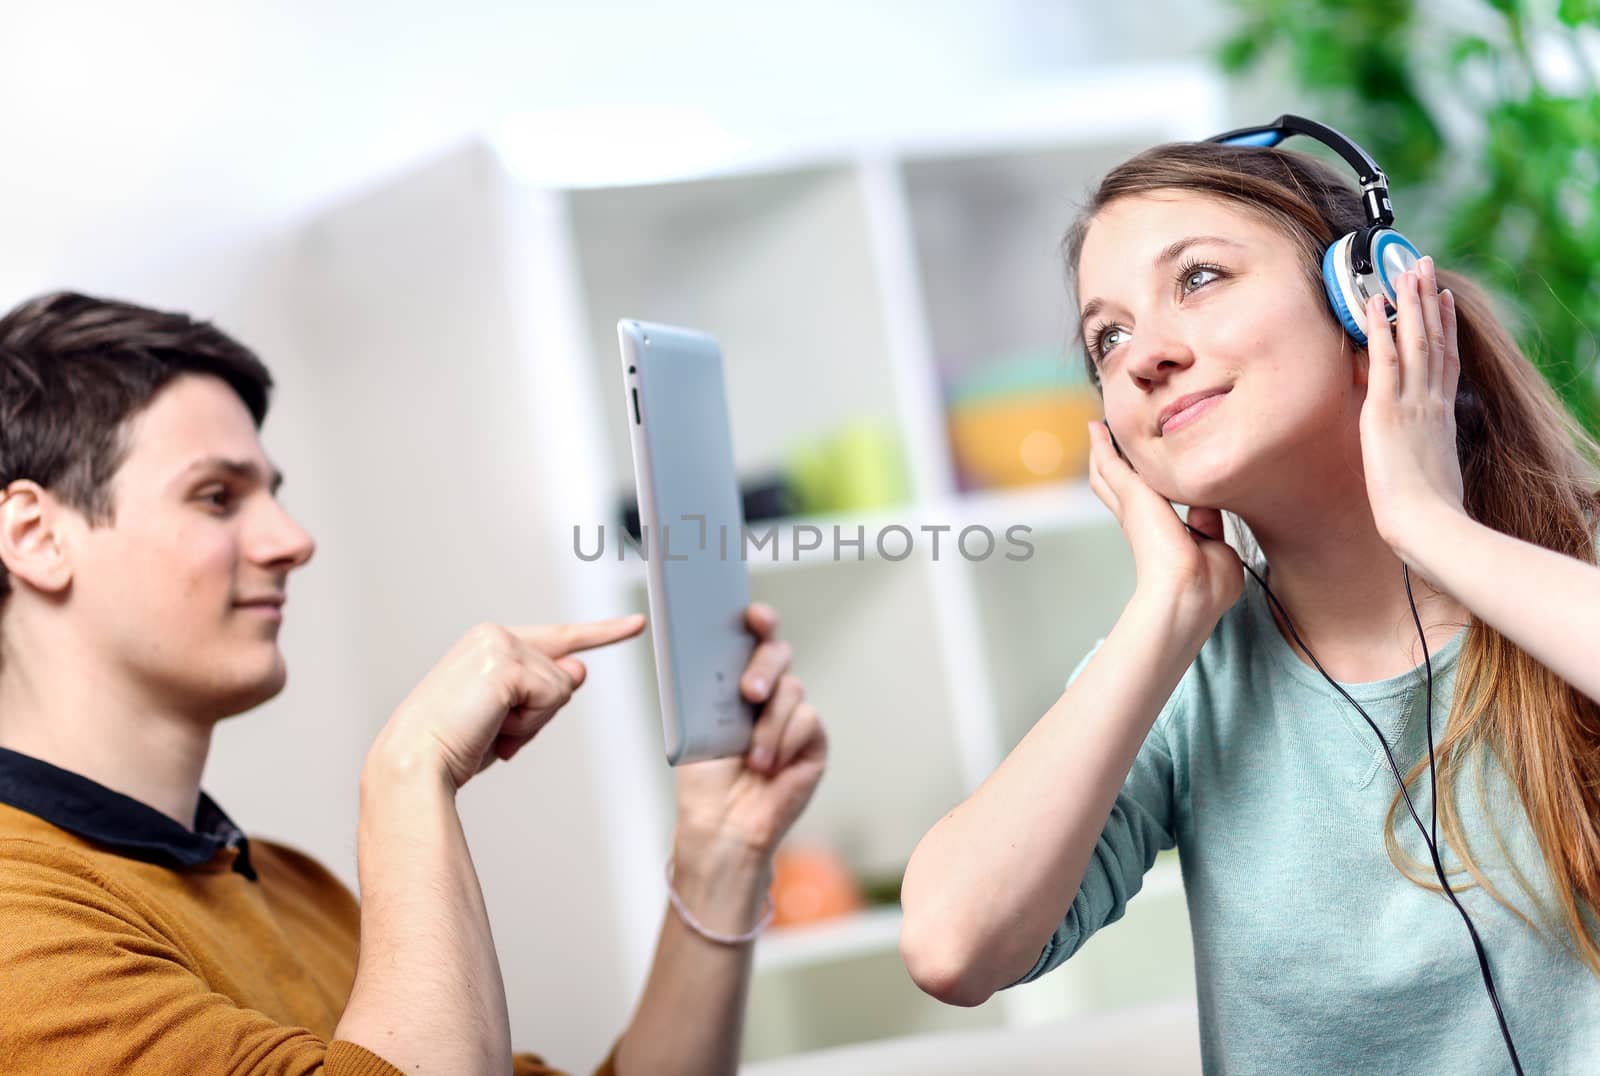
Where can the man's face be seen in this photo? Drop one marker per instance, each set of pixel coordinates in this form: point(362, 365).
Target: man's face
point(184, 591)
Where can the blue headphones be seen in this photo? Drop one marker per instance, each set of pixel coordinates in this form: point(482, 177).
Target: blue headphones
point(1363, 263)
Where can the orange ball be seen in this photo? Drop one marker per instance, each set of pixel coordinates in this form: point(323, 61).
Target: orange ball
point(810, 884)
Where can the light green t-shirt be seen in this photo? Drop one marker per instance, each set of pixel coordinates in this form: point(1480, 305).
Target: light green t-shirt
point(1313, 954)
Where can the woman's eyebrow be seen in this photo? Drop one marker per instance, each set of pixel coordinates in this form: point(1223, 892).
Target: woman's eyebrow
point(1169, 253)
point(1175, 249)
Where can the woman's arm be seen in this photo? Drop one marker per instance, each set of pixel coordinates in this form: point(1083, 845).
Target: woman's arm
point(988, 885)
point(1545, 602)
point(992, 880)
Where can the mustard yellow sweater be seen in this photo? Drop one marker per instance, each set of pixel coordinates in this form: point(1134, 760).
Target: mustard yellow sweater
point(110, 964)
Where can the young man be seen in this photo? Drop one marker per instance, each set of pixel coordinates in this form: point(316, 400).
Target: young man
point(143, 565)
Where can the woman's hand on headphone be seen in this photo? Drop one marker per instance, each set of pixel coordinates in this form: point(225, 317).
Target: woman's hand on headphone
point(1408, 422)
point(1198, 577)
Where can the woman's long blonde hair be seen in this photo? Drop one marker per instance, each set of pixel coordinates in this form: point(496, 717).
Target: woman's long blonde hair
point(1528, 470)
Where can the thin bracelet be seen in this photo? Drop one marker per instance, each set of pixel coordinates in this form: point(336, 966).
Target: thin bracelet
point(713, 935)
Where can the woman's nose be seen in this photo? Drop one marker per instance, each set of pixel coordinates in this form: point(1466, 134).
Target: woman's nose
point(1155, 353)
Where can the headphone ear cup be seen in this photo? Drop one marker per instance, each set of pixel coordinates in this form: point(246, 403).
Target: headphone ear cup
point(1339, 284)
point(1392, 256)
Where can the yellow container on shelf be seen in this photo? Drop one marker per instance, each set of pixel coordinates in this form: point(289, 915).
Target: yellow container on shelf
point(1023, 439)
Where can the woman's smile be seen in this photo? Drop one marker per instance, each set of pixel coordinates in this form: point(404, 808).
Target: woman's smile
point(1193, 413)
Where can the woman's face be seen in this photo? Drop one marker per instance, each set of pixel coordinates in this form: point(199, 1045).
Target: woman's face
point(1226, 379)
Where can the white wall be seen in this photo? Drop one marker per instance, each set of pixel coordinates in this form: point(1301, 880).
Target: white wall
point(168, 125)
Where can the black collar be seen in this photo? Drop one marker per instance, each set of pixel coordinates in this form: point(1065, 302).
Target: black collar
point(120, 823)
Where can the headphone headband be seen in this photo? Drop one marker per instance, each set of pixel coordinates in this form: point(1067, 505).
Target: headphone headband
point(1374, 184)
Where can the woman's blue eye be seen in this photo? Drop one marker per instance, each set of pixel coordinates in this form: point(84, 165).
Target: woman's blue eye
point(1189, 279)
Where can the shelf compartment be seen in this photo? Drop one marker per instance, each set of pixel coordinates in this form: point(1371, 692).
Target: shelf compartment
point(988, 229)
point(1040, 617)
point(778, 267)
point(873, 930)
point(867, 996)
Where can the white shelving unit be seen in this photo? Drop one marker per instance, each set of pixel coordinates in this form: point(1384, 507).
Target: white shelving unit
point(845, 279)
point(868, 933)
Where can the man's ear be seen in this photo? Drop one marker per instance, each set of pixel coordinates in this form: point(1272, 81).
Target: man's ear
point(30, 537)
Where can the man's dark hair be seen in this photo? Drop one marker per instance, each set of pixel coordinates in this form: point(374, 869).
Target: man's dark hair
point(75, 369)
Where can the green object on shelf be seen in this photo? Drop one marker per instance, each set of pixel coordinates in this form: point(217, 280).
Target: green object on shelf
point(880, 889)
point(858, 467)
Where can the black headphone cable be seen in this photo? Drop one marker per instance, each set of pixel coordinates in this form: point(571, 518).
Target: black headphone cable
point(1432, 841)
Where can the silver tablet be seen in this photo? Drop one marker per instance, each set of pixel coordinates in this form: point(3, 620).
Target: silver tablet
point(692, 536)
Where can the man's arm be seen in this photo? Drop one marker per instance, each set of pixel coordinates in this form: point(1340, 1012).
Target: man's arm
point(691, 1015)
point(428, 995)
point(731, 815)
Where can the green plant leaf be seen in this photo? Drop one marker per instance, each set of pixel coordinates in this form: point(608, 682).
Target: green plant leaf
point(1239, 52)
point(1469, 48)
point(1578, 12)
point(1515, 201)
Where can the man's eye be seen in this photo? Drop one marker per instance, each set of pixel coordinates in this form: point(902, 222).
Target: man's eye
point(218, 498)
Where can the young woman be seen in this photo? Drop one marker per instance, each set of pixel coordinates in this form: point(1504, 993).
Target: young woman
point(1433, 463)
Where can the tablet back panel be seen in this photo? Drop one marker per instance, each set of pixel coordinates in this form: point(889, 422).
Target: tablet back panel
point(692, 536)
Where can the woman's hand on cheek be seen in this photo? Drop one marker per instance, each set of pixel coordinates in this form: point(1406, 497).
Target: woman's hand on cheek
point(745, 805)
point(1408, 424)
point(1198, 577)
